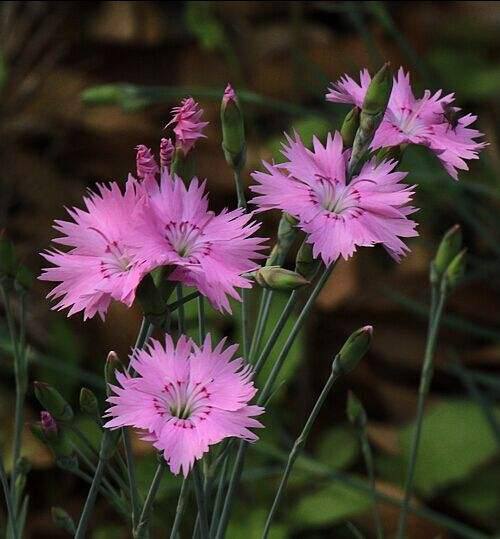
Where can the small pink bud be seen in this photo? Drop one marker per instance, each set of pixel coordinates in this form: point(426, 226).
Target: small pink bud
point(187, 124)
point(145, 162)
point(49, 426)
point(229, 94)
point(166, 152)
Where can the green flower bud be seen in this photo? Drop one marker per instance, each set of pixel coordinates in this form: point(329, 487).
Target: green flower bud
point(53, 402)
point(183, 165)
point(105, 94)
point(152, 301)
point(112, 365)
point(277, 278)
point(89, 403)
point(448, 249)
point(62, 520)
point(376, 100)
point(233, 129)
point(353, 350)
point(456, 270)
point(305, 264)
point(287, 232)
point(350, 127)
point(355, 410)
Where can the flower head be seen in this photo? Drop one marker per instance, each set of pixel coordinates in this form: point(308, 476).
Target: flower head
point(100, 264)
point(186, 398)
point(188, 125)
point(338, 216)
point(208, 251)
point(416, 120)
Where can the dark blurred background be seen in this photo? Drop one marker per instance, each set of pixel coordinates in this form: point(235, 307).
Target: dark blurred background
point(54, 145)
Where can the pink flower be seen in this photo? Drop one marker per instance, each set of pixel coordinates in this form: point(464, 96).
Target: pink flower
point(166, 152)
point(409, 120)
point(208, 251)
point(99, 266)
point(186, 397)
point(338, 217)
point(188, 125)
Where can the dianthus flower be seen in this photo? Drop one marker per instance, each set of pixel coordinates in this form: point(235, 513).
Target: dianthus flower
point(100, 265)
point(186, 398)
point(338, 216)
point(208, 251)
point(424, 121)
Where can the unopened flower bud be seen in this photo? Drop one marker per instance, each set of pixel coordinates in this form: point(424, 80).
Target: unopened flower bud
point(277, 278)
point(287, 232)
point(112, 365)
point(233, 129)
point(305, 264)
point(53, 402)
point(355, 410)
point(456, 270)
point(353, 350)
point(350, 127)
point(145, 162)
point(62, 520)
point(448, 249)
point(49, 426)
point(376, 99)
point(166, 152)
point(89, 403)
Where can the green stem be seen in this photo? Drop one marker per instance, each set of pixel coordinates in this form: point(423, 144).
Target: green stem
point(8, 500)
point(201, 320)
point(367, 455)
point(240, 190)
point(242, 446)
point(260, 325)
point(94, 487)
point(425, 381)
point(219, 497)
point(132, 480)
point(181, 319)
point(142, 527)
point(181, 503)
point(200, 499)
point(186, 299)
point(299, 445)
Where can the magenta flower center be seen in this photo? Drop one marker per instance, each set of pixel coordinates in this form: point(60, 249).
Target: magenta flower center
point(184, 400)
point(114, 259)
point(185, 238)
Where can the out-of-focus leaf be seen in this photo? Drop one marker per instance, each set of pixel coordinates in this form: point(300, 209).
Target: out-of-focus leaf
point(334, 503)
point(455, 440)
point(306, 128)
point(109, 531)
point(202, 23)
point(480, 496)
point(338, 448)
point(251, 526)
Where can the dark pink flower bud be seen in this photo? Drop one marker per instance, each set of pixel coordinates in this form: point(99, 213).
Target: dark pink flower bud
point(166, 152)
point(187, 124)
point(145, 162)
point(49, 426)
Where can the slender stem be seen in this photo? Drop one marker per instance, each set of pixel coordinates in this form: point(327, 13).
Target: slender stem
point(293, 334)
point(298, 446)
point(144, 333)
point(201, 320)
point(186, 299)
point(238, 463)
point(200, 499)
point(367, 455)
point(94, 487)
point(181, 319)
point(141, 530)
point(132, 480)
point(240, 190)
point(8, 500)
point(425, 381)
point(219, 497)
point(265, 304)
point(181, 502)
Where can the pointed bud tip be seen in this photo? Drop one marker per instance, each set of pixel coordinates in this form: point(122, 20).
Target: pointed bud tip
point(229, 94)
point(368, 329)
